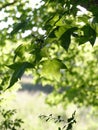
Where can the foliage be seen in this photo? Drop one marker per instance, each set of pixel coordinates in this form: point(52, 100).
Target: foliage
point(67, 125)
point(45, 40)
point(79, 82)
point(9, 122)
point(30, 105)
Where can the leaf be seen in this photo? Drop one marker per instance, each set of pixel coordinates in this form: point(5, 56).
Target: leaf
point(19, 69)
point(20, 50)
point(52, 33)
point(59, 128)
point(70, 119)
point(66, 38)
point(89, 35)
point(44, 52)
point(19, 26)
point(69, 127)
point(59, 31)
point(51, 69)
point(14, 66)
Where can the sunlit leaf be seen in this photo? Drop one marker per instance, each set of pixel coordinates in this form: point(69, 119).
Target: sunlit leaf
point(20, 50)
point(51, 69)
point(60, 31)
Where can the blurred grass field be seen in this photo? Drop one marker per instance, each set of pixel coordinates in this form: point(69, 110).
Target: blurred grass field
point(30, 103)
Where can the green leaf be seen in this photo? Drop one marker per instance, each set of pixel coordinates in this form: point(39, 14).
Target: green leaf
point(69, 127)
point(52, 33)
point(66, 38)
point(51, 69)
point(20, 50)
point(44, 52)
point(59, 128)
point(14, 66)
point(59, 31)
point(89, 35)
point(19, 26)
point(19, 69)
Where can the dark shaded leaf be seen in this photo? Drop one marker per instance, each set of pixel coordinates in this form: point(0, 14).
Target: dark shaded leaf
point(14, 66)
point(59, 117)
point(66, 38)
point(18, 71)
point(70, 119)
point(89, 35)
point(47, 119)
point(59, 128)
point(19, 26)
point(64, 127)
point(69, 127)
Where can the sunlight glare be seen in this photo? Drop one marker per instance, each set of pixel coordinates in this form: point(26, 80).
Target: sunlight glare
point(82, 10)
point(35, 3)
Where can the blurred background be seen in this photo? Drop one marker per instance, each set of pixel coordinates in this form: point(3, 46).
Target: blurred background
point(30, 103)
point(45, 67)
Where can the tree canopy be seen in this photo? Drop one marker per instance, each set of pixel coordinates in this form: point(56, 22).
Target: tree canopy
point(54, 41)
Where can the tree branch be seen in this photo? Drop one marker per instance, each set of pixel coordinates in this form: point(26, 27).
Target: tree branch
point(7, 4)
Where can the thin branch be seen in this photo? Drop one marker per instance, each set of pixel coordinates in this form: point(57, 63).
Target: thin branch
point(7, 4)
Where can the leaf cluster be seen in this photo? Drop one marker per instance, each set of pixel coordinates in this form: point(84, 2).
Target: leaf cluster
point(9, 122)
point(67, 125)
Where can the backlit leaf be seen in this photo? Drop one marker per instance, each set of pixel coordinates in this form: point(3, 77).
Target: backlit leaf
point(51, 69)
